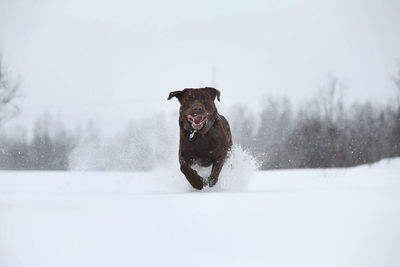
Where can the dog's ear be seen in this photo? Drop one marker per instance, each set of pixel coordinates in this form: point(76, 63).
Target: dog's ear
point(213, 92)
point(176, 94)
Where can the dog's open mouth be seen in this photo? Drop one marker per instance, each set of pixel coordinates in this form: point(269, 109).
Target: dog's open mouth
point(197, 121)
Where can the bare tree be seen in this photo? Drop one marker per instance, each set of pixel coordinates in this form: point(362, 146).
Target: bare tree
point(395, 135)
point(396, 81)
point(8, 93)
point(331, 99)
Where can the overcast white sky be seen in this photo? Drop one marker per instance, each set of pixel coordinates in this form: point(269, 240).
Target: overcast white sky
point(115, 60)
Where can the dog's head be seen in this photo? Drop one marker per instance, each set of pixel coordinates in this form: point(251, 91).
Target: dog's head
point(197, 111)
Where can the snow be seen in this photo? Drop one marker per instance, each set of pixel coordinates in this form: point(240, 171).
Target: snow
point(330, 217)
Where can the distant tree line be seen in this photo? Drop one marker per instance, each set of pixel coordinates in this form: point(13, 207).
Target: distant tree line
point(322, 133)
point(48, 148)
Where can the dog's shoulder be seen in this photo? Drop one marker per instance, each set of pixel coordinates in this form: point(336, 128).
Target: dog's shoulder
point(223, 122)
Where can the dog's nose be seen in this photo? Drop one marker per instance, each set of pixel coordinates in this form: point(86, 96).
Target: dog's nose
point(197, 110)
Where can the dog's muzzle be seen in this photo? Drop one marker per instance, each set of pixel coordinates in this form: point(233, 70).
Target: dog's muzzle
point(197, 121)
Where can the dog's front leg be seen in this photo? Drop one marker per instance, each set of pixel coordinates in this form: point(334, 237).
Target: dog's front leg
point(216, 169)
point(192, 176)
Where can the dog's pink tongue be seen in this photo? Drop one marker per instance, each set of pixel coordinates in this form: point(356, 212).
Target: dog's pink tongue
point(196, 119)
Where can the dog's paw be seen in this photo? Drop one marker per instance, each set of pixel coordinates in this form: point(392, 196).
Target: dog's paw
point(212, 181)
point(196, 181)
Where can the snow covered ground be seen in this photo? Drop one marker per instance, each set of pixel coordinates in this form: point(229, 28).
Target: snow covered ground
point(334, 217)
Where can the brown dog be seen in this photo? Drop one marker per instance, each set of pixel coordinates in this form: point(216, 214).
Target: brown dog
point(205, 136)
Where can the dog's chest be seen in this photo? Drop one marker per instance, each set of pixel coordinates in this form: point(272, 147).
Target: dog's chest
point(202, 143)
point(198, 141)
point(202, 149)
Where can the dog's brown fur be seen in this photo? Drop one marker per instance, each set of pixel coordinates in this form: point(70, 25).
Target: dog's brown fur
point(205, 146)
